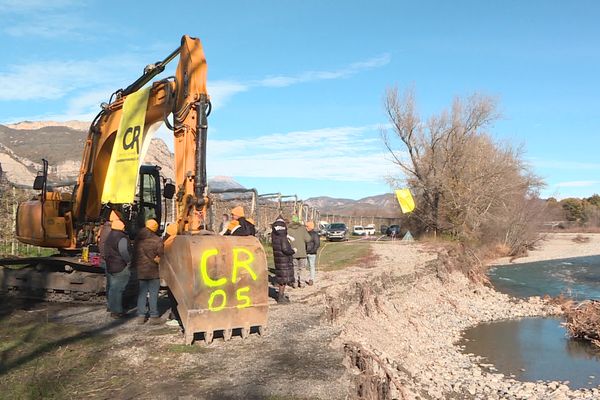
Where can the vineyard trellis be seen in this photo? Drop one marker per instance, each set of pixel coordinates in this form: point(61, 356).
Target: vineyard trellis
point(262, 208)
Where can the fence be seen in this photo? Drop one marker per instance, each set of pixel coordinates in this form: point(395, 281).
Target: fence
point(12, 247)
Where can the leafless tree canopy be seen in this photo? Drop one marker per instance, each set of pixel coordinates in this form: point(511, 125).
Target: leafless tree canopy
point(466, 184)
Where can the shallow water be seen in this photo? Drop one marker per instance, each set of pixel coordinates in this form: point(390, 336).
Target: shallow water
point(578, 278)
point(534, 349)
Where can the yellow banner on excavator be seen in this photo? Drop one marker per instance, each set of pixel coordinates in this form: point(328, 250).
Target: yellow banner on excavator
point(122, 174)
point(407, 203)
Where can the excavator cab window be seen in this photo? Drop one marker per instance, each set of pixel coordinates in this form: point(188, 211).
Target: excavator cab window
point(149, 195)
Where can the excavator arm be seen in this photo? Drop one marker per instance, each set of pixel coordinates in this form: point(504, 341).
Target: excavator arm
point(185, 97)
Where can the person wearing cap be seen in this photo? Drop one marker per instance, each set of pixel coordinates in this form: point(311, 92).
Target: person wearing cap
point(239, 225)
point(117, 249)
point(282, 257)
point(299, 239)
point(311, 251)
point(147, 250)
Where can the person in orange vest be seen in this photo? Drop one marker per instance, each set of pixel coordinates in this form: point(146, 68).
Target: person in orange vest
point(239, 225)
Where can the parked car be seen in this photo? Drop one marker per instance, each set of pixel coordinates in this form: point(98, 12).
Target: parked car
point(370, 229)
point(383, 229)
point(358, 230)
point(322, 229)
point(393, 231)
point(337, 231)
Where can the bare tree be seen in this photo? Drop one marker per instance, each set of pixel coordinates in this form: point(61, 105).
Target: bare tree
point(461, 177)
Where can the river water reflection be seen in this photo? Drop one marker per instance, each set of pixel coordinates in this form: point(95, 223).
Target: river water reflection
point(537, 348)
point(534, 349)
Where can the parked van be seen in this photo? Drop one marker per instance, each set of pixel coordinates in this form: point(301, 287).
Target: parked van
point(358, 230)
point(370, 229)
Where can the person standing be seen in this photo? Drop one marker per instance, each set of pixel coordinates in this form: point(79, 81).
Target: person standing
point(299, 237)
point(118, 258)
point(147, 250)
point(239, 225)
point(102, 236)
point(311, 251)
point(223, 225)
point(282, 256)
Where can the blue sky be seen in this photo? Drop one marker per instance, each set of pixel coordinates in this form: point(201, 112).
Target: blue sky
point(298, 85)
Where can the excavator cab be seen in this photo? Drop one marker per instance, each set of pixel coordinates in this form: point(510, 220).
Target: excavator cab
point(148, 201)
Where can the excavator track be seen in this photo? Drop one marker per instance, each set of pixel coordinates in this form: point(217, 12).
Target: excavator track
point(55, 278)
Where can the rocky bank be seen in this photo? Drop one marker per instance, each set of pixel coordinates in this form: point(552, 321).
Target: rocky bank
point(400, 324)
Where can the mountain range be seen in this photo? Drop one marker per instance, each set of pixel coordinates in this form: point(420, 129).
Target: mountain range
point(24, 144)
point(383, 205)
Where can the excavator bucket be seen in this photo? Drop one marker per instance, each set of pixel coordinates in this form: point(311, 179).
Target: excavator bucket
point(220, 283)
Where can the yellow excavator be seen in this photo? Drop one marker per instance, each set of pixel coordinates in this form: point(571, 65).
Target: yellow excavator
point(219, 282)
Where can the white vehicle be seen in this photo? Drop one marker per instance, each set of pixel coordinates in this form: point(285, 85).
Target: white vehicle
point(358, 230)
point(370, 229)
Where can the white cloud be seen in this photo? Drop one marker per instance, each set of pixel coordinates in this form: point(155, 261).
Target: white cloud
point(52, 80)
point(309, 76)
point(48, 26)
point(577, 184)
point(44, 19)
point(221, 91)
point(564, 165)
point(23, 6)
point(340, 154)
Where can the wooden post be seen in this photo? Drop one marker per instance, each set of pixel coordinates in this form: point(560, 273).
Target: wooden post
point(14, 218)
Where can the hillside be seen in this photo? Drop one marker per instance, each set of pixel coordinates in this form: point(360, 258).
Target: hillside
point(384, 205)
point(23, 145)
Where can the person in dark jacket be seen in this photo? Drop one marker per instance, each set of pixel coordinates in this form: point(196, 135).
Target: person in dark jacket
point(239, 225)
point(282, 255)
point(117, 251)
point(299, 238)
point(311, 251)
point(147, 250)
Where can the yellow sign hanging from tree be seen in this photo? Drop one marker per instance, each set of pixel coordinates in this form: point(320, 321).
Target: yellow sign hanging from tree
point(122, 174)
point(407, 203)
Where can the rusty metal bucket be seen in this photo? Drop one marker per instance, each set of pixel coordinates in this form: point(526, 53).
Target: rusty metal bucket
point(220, 283)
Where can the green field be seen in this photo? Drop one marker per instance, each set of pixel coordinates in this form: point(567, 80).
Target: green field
point(334, 256)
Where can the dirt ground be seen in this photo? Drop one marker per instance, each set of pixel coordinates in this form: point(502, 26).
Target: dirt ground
point(50, 350)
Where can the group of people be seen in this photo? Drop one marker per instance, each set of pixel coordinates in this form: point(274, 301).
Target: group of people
point(122, 257)
point(294, 247)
